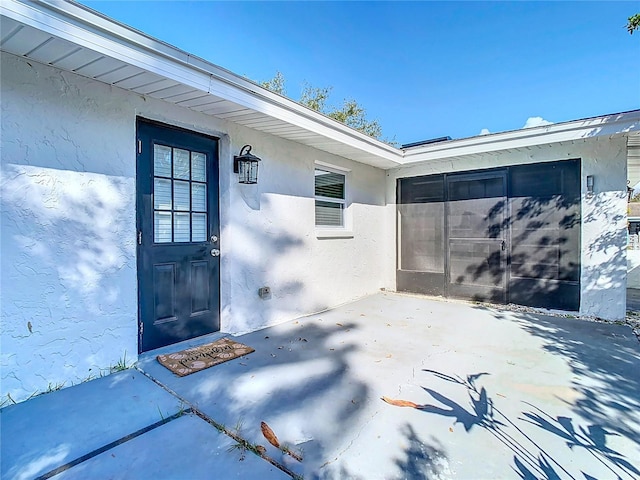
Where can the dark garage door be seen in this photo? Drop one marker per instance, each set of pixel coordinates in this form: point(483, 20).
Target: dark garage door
point(504, 235)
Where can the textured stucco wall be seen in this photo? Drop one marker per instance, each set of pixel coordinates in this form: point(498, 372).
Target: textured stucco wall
point(69, 287)
point(603, 234)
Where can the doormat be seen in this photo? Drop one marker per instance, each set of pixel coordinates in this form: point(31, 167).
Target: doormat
point(195, 359)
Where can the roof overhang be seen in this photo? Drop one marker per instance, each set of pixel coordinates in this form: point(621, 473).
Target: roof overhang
point(75, 38)
point(614, 125)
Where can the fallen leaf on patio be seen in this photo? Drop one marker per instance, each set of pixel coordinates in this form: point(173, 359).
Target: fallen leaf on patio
point(261, 450)
point(389, 356)
point(378, 361)
point(30, 327)
point(362, 315)
point(500, 395)
point(302, 339)
point(339, 324)
point(269, 435)
point(332, 349)
point(451, 429)
point(273, 355)
point(243, 364)
point(400, 403)
point(266, 338)
point(388, 324)
point(280, 348)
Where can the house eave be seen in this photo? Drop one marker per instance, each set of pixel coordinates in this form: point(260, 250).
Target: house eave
point(612, 125)
point(186, 80)
point(78, 25)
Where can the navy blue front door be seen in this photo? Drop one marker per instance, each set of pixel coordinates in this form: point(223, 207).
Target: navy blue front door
point(178, 230)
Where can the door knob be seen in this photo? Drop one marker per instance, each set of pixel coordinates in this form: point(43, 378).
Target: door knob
point(215, 252)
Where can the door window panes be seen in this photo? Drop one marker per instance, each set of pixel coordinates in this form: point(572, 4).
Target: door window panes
point(198, 167)
point(181, 163)
point(199, 227)
point(161, 161)
point(198, 197)
point(162, 194)
point(179, 195)
point(162, 227)
point(181, 228)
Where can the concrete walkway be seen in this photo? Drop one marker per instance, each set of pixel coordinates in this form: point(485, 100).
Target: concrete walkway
point(500, 395)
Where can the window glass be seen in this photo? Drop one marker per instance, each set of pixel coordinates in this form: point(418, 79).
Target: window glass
point(179, 190)
point(330, 198)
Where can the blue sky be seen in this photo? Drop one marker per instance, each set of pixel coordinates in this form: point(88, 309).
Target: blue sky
point(422, 69)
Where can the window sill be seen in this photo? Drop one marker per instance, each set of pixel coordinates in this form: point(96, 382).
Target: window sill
point(334, 233)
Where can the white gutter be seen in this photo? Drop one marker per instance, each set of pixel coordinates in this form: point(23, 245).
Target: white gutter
point(607, 125)
point(78, 24)
point(84, 27)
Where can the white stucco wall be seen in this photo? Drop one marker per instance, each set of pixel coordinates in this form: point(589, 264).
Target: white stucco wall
point(69, 285)
point(603, 233)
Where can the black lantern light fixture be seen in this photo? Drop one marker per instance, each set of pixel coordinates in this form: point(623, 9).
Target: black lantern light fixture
point(246, 165)
point(590, 182)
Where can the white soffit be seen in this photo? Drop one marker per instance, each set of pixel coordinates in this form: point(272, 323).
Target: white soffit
point(74, 38)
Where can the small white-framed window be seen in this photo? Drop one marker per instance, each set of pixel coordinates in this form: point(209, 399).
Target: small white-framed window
point(330, 196)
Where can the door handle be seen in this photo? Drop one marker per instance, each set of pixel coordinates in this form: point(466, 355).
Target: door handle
point(215, 252)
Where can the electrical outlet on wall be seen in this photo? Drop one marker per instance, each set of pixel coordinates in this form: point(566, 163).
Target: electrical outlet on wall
point(264, 292)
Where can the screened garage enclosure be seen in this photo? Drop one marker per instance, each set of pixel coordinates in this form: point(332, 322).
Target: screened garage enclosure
point(507, 235)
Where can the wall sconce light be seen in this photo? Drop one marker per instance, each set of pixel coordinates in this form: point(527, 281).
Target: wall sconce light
point(589, 186)
point(246, 165)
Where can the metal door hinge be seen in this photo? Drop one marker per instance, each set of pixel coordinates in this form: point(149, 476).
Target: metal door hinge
point(139, 237)
point(141, 328)
point(139, 146)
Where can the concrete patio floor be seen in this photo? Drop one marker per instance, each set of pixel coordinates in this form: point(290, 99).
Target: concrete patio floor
point(500, 394)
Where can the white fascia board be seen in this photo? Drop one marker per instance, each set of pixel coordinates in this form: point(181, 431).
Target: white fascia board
point(607, 125)
point(83, 27)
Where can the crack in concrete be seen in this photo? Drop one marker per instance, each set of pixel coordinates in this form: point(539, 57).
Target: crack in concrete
point(218, 426)
point(351, 442)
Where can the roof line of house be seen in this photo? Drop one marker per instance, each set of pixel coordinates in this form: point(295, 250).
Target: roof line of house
point(83, 26)
point(60, 18)
point(614, 124)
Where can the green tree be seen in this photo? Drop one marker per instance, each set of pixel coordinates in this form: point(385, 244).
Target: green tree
point(315, 98)
point(351, 113)
point(633, 23)
point(276, 84)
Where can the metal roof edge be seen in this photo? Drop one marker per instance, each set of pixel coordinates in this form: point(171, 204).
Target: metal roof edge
point(610, 124)
point(81, 16)
point(97, 31)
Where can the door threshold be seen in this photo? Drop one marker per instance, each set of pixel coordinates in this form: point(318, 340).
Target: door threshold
point(190, 343)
